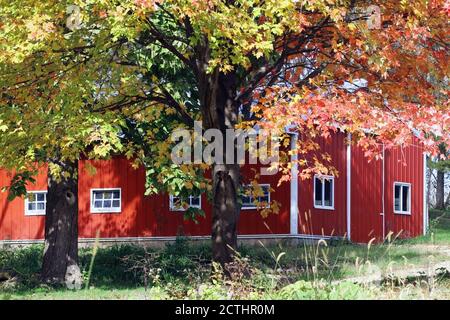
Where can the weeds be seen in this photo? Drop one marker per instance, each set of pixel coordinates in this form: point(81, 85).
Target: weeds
point(183, 269)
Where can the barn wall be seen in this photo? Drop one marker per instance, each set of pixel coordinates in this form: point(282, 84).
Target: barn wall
point(366, 197)
point(251, 221)
point(149, 216)
point(325, 222)
point(14, 224)
point(141, 216)
point(405, 164)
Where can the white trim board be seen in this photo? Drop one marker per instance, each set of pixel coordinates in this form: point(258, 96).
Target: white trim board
point(349, 187)
point(294, 188)
point(401, 185)
point(103, 209)
point(35, 212)
point(425, 204)
point(172, 238)
point(325, 177)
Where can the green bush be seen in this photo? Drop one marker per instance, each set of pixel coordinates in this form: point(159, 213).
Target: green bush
point(24, 264)
point(110, 267)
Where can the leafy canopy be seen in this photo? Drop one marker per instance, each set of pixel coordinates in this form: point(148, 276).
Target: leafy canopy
point(122, 75)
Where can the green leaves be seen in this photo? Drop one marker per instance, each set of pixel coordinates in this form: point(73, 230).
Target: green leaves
point(17, 188)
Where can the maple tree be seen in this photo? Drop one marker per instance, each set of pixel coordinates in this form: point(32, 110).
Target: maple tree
point(145, 67)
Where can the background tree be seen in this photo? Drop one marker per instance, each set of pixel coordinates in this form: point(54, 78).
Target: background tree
point(442, 167)
point(32, 138)
point(313, 65)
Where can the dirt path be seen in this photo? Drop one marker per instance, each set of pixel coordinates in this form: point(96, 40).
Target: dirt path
point(375, 276)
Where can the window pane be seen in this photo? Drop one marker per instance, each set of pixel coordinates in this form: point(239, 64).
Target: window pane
point(176, 203)
point(116, 194)
point(397, 197)
point(98, 195)
point(107, 195)
point(264, 199)
point(195, 201)
point(405, 196)
point(40, 196)
point(247, 201)
point(40, 206)
point(116, 203)
point(328, 201)
point(107, 204)
point(318, 191)
point(97, 204)
point(31, 206)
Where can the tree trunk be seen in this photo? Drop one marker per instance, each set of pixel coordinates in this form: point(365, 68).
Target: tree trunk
point(440, 186)
point(60, 263)
point(447, 202)
point(220, 111)
point(225, 212)
point(429, 178)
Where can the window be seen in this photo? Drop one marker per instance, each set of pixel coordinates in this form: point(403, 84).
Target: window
point(324, 192)
point(106, 200)
point(177, 203)
point(402, 198)
point(252, 200)
point(35, 203)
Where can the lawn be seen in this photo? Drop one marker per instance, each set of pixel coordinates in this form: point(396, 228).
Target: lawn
point(183, 270)
point(439, 229)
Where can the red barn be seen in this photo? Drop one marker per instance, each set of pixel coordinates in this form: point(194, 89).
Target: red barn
point(367, 200)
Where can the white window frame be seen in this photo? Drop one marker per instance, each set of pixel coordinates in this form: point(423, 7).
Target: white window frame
point(172, 206)
point(254, 207)
point(106, 210)
point(35, 212)
point(324, 177)
point(402, 184)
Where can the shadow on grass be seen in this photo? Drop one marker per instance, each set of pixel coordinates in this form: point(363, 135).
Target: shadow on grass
point(184, 264)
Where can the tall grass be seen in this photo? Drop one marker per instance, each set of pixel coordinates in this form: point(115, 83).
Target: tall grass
point(308, 269)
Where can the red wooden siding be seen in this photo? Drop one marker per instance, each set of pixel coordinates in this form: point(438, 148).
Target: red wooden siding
point(366, 197)
point(401, 164)
point(14, 224)
point(141, 216)
point(326, 222)
point(251, 221)
point(405, 165)
point(150, 216)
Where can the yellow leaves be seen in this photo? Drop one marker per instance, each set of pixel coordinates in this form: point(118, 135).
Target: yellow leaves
point(274, 208)
point(188, 185)
point(3, 127)
point(352, 26)
point(237, 32)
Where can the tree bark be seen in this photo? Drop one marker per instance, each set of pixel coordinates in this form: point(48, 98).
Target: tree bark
point(447, 202)
point(225, 212)
point(220, 111)
point(440, 187)
point(429, 178)
point(60, 263)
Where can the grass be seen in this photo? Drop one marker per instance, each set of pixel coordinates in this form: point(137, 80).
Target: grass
point(439, 229)
point(183, 270)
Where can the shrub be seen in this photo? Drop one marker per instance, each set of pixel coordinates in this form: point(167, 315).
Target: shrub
point(23, 263)
point(109, 265)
